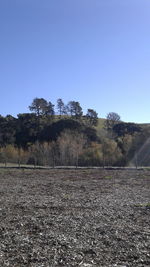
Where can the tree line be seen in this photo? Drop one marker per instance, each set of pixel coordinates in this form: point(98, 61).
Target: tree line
point(42, 107)
point(68, 137)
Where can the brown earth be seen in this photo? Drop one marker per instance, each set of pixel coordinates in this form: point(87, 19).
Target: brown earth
point(74, 218)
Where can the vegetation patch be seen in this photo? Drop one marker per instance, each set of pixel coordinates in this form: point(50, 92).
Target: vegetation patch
point(146, 205)
point(108, 177)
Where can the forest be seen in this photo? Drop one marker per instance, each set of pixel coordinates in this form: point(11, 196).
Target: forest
point(64, 136)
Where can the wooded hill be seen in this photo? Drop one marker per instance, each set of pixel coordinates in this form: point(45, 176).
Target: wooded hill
point(69, 137)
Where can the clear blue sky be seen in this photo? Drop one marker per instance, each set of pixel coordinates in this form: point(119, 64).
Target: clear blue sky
point(96, 52)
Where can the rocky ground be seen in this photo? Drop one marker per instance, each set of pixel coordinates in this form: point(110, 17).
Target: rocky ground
point(74, 218)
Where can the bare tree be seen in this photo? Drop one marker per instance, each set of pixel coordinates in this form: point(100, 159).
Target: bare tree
point(70, 147)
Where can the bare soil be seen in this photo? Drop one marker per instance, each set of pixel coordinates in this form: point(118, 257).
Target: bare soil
point(74, 218)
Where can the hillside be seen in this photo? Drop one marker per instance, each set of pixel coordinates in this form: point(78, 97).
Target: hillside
point(67, 140)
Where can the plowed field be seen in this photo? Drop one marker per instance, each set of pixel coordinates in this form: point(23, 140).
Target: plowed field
point(74, 218)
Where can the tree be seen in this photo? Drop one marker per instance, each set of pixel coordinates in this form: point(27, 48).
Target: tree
point(92, 117)
point(125, 143)
point(52, 131)
point(123, 128)
point(111, 152)
point(43, 154)
point(74, 109)
point(70, 147)
point(60, 107)
point(8, 127)
point(41, 107)
point(9, 154)
point(49, 109)
point(111, 119)
point(92, 155)
point(27, 129)
point(22, 155)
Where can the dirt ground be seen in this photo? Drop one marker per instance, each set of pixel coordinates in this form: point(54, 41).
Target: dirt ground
point(74, 218)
